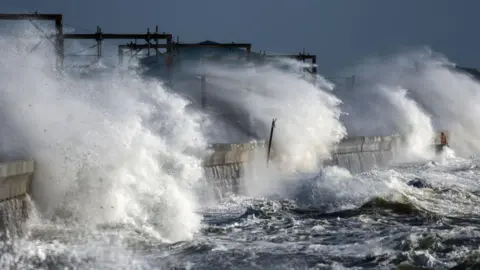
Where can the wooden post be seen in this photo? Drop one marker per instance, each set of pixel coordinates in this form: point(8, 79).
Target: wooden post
point(156, 43)
point(270, 140)
point(314, 69)
point(303, 58)
point(59, 43)
point(169, 45)
point(314, 65)
point(120, 55)
point(169, 57)
point(99, 43)
point(148, 41)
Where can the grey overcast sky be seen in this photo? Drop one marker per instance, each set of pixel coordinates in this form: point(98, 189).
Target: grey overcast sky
point(340, 32)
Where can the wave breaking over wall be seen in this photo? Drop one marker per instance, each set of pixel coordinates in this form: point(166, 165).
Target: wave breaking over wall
point(445, 98)
point(110, 147)
point(308, 115)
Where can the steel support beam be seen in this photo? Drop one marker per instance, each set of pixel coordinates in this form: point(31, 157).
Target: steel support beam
point(175, 45)
point(134, 46)
point(300, 57)
point(95, 36)
point(57, 18)
point(32, 16)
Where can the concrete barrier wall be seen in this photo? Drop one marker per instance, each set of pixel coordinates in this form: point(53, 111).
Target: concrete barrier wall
point(15, 178)
point(15, 182)
point(224, 154)
point(228, 162)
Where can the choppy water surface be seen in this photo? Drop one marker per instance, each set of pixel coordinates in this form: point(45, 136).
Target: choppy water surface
point(119, 183)
point(397, 225)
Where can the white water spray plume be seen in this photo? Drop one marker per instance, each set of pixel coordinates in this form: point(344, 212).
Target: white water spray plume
point(446, 95)
point(110, 147)
point(114, 147)
point(308, 115)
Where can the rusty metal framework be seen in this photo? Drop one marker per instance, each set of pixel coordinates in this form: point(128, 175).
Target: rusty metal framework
point(57, 18)
point(174, 46)
point(303, 57)
point(58, 39)
point(98, 36)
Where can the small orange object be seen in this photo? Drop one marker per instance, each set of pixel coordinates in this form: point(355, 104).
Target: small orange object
point(443, 139)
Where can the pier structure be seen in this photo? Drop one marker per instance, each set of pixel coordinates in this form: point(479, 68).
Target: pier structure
point(99, 36)
point(151, 40)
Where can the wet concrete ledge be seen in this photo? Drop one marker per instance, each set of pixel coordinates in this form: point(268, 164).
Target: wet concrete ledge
point(15, 182)
point(225, 154)
point(227, 163)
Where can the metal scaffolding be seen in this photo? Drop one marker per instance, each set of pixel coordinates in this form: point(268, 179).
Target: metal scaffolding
point(98, 36)
point(57, 18)
point(174, 46)
point(303, 57)
point(58, 39)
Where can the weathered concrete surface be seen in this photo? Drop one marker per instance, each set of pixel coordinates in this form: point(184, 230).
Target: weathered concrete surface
point(13, 214)
point(224, 154)
point(15, 181)
point(15, 178)
point(228, 162)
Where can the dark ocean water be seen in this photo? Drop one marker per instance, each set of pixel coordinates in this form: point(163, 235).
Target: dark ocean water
point(119, 154)
point(387, 224)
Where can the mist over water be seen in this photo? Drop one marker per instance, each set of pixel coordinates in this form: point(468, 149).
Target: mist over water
point(394, 95)
point(415, 94)
point(119, 155)
point(307, 115)
point(378, 109)
point(109, 147)
point(446, 96)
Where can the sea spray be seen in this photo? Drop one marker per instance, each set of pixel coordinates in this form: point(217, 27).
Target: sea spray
point(247, 97)
point(412, 122)
point(109, 147)
point(308, 116)
point(449, 96)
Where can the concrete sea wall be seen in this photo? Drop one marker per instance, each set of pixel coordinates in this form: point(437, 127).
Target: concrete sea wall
point(227, 163)
point(15, 182)
point(224, 168)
